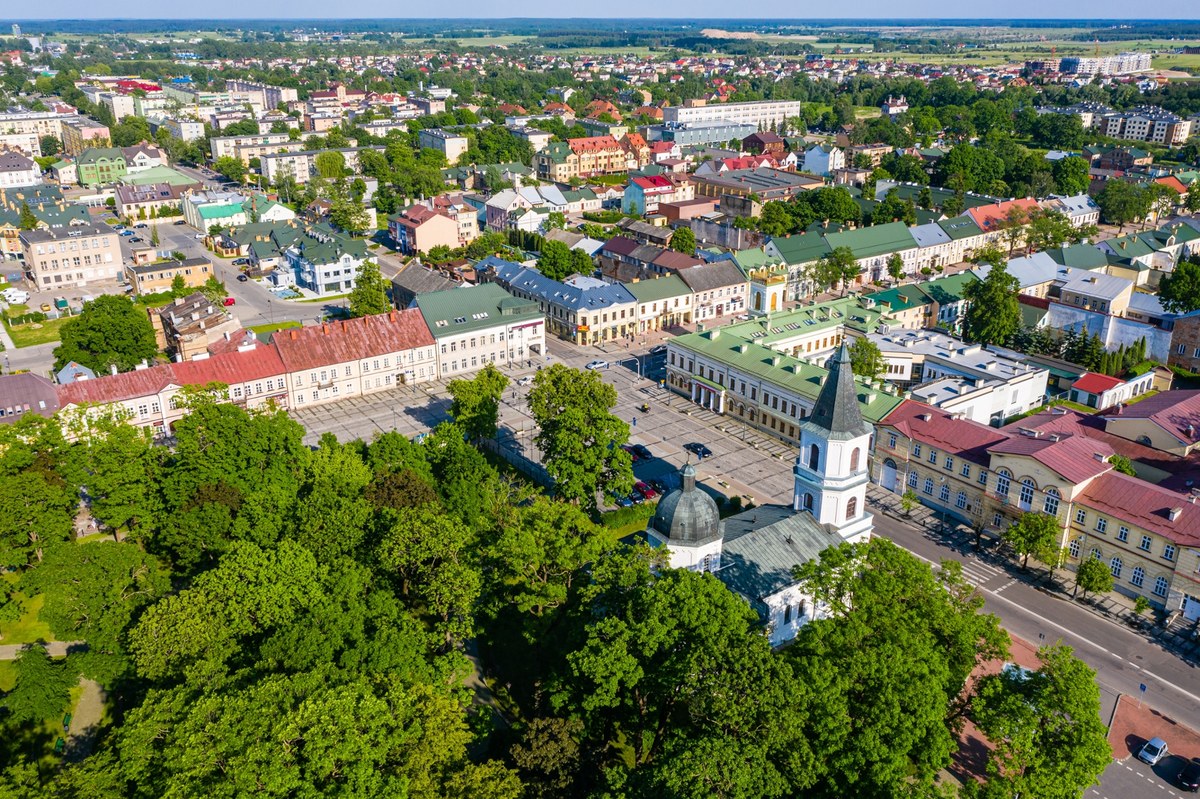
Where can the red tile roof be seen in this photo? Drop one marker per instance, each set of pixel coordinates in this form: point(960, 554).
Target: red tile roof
point(1177, 412)
point(1076, 458)
point(351, 339)
point(1146, 505)
point(233, 367)
point(592, 144)
point(937, 428)
point(654, 182)
point(1094, 383)
point(1065, 421)
point(995, 216)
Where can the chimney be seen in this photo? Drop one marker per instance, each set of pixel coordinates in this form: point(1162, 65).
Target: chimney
point(1174, 513)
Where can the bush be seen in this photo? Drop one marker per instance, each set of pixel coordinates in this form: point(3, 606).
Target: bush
point(622, 517)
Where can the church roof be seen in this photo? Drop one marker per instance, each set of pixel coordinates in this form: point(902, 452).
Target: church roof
point(836, 412)
point(763, 544)
point(688, 515)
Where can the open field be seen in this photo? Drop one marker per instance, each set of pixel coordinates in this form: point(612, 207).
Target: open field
point(36, 333)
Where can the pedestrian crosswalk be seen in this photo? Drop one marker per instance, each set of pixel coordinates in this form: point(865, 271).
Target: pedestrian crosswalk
point(978, 573)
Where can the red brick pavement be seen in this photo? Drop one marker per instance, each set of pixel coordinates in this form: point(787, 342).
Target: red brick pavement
point(1134, 723)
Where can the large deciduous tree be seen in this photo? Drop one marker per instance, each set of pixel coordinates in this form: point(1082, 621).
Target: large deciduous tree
point(476, 402)
point(866, 360)
point(110, 331)
point(994, 314)
point(369, 295)
point(579, 437)
point(1179, 290)
point(1048, 741)
point(1034, 534)
point(42, 689)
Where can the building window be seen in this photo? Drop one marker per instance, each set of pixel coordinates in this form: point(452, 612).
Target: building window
point(1096, 553)
point(929, 486)
point(960, 501)
point(944, 494)
point(1102, 525)
point(1081, 516)
point(1123, 533)
point(1160, 586)
point(916, 450)
point(814, 457)
point(854, 456)
point(949, 464)
point(1145, 545)
point(1051, 505)
point(891, 440)
point(912, 479)
point(1138, 576)
point(1115, 566)
point(852, 508)
point(933, 456)
point(997, 519)
point(1073, 548)
point(1002, 484)
point(1169, 552)
point(966, 470)
point(1026, 495)
point(983, 477)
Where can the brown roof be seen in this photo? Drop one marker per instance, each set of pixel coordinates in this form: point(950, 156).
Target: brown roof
point(351, 339)
point(676, 261)
point(936, 428)
point(1071, 422)
point(1146, 505)
point(1076, 458)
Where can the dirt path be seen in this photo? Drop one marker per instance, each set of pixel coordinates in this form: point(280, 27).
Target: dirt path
point(85, 721)
point(56, 649)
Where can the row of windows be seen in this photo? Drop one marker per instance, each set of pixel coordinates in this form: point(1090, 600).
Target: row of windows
point(1137, 576)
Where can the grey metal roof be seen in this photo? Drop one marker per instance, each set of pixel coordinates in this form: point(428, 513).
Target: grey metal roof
point(836, 412)
point(688, 515)
point(763, 544)
point(707, 277)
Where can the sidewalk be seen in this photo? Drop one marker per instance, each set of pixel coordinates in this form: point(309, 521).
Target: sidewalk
point(1134, 724)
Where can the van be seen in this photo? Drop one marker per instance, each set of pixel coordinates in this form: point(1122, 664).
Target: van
point(16, 296)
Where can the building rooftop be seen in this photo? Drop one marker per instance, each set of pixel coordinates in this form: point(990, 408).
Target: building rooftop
point(351, 339)
point(468, 308)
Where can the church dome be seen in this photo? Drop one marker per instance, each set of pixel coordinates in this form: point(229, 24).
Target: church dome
point(687, 516)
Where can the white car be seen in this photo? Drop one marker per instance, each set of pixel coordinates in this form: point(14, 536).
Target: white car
point(1154, 751)
point(524, 381)
point(200, 236)
point(597, 364)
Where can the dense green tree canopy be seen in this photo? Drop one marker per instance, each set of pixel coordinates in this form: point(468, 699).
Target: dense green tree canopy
point(110, 331)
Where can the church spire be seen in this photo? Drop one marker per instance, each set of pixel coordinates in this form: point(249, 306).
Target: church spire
point(837, 411)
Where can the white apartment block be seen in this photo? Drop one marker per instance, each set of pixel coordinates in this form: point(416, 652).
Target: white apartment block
point(71, 256)
point(763, 114)
point(247, 147)
point(1147, 124)
point(451, 145)
point(477, 325)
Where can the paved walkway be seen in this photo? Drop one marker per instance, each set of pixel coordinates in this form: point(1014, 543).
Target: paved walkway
point(85, 720)
point(56, 649)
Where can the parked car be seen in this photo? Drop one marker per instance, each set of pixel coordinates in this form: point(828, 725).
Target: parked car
point(1189, 777)
point(179, 222)
point(642, 451)
point(241, 261)
point(1154, 751)
point(624, 502)
point(524, 381)
point(242, 278)
point(636, 498)
point(200, 236)
point(46, 306)
point(229, 301)
point(141, 226)
point(126, 232)
point(645, 490)
point(659, 486)
point(597, 364)
point(135, 239)
point(632, 455)
point(656, 349)
point(699, 450)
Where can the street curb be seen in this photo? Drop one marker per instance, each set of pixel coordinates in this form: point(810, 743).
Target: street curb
point(1116, 706)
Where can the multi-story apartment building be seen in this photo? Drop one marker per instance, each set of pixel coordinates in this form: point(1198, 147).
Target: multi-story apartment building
point(325, 261)
point(71, 256)
point(450, 144)
point(1147, 123)
point(245, 148)
point(477, 325)
point(596, 155)
point(1119, 64)
point(29, 144)
point(268, 96)
point(760, 114)
point(18, 170)
point(300, 165)
point(80, 133)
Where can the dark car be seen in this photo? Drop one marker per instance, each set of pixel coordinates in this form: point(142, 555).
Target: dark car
point(1189, 778)
point(135, 239)
point(699, 450)
point(242, 278)
point(240, 261)
point(642, 451)
point(141, 226)
point(180, 222)
point(645, 490)
point(659, 486)
point(658, 348)
point(633, 456)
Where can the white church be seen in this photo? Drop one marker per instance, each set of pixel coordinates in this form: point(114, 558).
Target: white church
point(754, 552)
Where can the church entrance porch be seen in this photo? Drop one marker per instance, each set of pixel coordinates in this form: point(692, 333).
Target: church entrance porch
point(708, 394)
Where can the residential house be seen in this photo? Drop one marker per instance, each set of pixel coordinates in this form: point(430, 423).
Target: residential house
point(98, 166)
point(719, 288)
point(766, 142)
point(823, 160)
point(324, 261)
point(72, 256)
point(418, 229)
point(26, 393)
point(450, 144)
point(662, 302)
point(415, 279)
point(190, 327)
point(18, 170)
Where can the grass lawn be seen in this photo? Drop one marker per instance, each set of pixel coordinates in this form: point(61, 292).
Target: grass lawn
point(274, 327)
point(8, 675)
point(36, 333)
point(328, 298)
point(28, 628)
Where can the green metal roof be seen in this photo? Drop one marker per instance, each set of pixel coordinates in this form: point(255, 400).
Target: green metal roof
point(901, 298)
point(960, 227)
point(93, 154)
point(832, 314)
point(658, 289)
point(949, 289)
point(875, 240)
point(801, 249)
point(781, 370)
point(464, 309)
point(213, 211)
point(1079, 256)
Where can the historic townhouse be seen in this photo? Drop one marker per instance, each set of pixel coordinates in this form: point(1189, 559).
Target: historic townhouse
point(473, 326)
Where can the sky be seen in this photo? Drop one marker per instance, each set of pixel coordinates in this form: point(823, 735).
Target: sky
point(912, 9)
